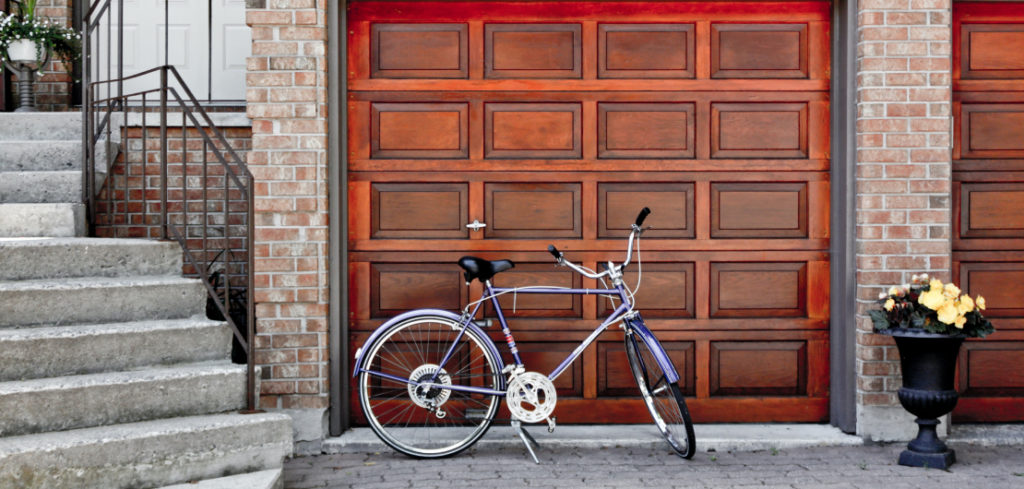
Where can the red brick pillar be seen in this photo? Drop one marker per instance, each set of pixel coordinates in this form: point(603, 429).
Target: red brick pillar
point(287, 102)
point(904, 149)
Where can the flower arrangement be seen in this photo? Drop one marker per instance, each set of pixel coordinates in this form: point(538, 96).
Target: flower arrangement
point(932, 306)
point(62, 42)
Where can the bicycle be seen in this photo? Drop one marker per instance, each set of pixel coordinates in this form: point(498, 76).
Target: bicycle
point(430, 380)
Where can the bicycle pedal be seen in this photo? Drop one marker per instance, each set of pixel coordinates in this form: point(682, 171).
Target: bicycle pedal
point(551, 424)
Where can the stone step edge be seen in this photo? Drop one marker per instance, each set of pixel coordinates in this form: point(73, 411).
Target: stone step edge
point(152, 374)
point(72, 331)
point(77, 283)
point(266, 479)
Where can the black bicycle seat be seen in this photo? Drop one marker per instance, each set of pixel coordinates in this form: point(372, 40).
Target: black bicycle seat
point(483, 270)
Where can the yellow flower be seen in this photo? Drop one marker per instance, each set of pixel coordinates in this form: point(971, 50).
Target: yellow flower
point(889, 304)
point(951, 291)
point(965, 304)
point(894, 291)
point(935, 284)
point(960, 322)
point(932, 299)
point(948, 313)
point(981, 303)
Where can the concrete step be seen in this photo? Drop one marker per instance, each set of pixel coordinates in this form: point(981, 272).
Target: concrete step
point(40, 125)
point(265, 479)
point(48, 155)
point(41, 186)
point(81, 401)
point(40, 352)
point(24, 259)
point(147, 454)
point(66, 301)
point(42, 220)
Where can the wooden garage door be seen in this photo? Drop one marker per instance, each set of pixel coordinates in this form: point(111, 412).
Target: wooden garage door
point(556, 123)
point(988, 202)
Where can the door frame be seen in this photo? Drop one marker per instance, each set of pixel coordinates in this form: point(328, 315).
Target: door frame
point(842, 320)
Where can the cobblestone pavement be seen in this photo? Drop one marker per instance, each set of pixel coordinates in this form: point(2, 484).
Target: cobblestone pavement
point(562, 468)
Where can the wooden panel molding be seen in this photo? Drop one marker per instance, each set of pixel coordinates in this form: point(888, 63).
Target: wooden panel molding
point(992, 210)
point(532, 130)
point(419, 51)
point(758, 210)
point(419, 210)
point(419, 130)
point(1000, 283)
point(992, 130)
point(399, 287)
point(533, 51)
point(645, 130)
point(533, 210)
point(770, 289)
point(759, 51)
point(991, 51)
point(672, 204)
point(645, 51)
point(616, 379)
point(991, 368)
point(538, 305)
point(758, 368)
point(758, 130)
point(667, 290)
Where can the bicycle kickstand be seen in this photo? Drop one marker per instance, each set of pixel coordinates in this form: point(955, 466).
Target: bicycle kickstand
point(527, 438)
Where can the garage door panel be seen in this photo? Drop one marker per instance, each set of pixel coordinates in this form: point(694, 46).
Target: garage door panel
point(992, 210)
point(618, 204)
point(419, 50)
point(1001, 283)
point(651, 130)
point(758, 130)
point(616, 378)
point(545, 357)
point(533, 210)
point(538, 305)
point(992, 130)
point(399, 287)
point(991, 51)
point(667, 291)
point(758, 368)
point(758, 289)
point(758, 210)
point(532, 50)
point(419, 210)
point(532, 131)
point(431, 130)
point(646, 51)
point(759, 51)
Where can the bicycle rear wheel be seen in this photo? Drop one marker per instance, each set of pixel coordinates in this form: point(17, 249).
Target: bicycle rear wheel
point(429, 422)
point(663, 398)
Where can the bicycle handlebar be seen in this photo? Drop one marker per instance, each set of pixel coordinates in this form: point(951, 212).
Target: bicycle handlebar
point(636, 229)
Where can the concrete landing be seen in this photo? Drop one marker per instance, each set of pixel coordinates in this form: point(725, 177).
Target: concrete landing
point(710, 437)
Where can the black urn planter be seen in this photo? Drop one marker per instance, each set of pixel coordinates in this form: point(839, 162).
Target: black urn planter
point(928, 362)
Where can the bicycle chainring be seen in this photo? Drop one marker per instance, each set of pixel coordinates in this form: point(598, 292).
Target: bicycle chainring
point(531, 397)
point(429, 397)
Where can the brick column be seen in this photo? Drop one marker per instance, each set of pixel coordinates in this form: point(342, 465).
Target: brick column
point(287, 102)
point(904, 149)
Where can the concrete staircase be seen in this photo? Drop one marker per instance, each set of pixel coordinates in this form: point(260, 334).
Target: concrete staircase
point(41, 174)
point(111, 376)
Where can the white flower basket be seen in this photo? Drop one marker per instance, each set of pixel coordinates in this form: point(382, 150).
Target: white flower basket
point(22, 51)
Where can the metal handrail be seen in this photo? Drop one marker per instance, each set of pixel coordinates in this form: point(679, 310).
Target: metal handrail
point(186, 215)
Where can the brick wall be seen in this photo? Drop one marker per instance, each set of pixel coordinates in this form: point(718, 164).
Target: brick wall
point(287, 102)
point(904, 102)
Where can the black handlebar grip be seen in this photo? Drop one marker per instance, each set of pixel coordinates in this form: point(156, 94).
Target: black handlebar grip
point(643, 215)
point(554, 252)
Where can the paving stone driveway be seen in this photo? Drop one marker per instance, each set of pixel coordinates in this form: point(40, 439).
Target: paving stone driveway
point(562, 468)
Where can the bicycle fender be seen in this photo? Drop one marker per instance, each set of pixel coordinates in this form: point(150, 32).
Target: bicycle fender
point(660, 356)
point(358, 365)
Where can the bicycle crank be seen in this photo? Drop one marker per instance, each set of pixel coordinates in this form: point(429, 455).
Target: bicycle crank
point(531, 397)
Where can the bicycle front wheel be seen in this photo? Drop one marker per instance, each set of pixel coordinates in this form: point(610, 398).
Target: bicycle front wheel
point(429, 422)
point(663, 398)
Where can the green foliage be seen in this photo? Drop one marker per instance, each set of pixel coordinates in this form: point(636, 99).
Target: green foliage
point(933, 307)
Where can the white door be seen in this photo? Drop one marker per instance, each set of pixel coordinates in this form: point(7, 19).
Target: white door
point(207, 41)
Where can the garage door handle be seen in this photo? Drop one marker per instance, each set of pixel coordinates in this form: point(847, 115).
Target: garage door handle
point(476, 225)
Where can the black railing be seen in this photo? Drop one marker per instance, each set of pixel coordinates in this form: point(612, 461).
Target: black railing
point(181, 181)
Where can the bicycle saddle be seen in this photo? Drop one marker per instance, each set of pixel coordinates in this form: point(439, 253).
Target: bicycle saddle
point(478, 268)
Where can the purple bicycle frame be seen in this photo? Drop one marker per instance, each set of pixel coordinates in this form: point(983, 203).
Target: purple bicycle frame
point(636, 324)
